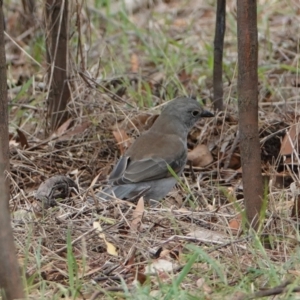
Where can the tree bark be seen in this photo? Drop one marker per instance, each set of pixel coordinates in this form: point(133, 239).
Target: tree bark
point(248, 109)
point(218, 55)
point(10, 279)
point(57, 57)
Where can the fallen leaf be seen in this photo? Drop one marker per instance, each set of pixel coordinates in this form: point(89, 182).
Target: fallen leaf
point(180, 22)
point(134, 63)
point(235, 223)
point(62, 128)
point(289, 139)
point(78, 129)
point(23, 139)
point(94, 181)
point(160, 265)
point(206, 235)
point(110, 248)
point(141, 278)
point(122, 139)
point(137, 215)
point(137, 122)
point(200, 156)
point(235, 161)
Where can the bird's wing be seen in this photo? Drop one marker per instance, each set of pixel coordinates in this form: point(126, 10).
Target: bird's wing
point(119, 168)
point(146, 169)
point(151, 169)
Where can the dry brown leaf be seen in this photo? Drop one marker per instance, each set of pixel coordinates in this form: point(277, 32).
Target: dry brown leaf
point(138, 121)
point(134, 63)
point(180, 22)
point(23, 139)
point(235, 161)
point(62, 128)
point(289, 139)
point(235, 223)
point(76, 130)
point(137, 215)
point(141, 278)
point(200, 156)
point(94, 181)
point(122, 139)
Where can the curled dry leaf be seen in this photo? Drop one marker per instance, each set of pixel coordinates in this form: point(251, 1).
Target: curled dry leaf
point(23, 139)
point(122, 139)
point(235, 224)
point(140, 278)
point(78, 129)
point(288, 143)
point(137, 215)
point(62, 128)
point(235, 161)
point(134, 63)
point(200, 156)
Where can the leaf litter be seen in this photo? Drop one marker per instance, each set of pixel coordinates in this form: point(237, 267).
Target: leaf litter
point(117, 240)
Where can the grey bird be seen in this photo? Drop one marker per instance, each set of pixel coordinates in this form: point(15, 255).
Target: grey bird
point(144, 168)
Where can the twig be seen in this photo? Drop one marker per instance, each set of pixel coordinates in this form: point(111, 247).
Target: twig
point(281, 289)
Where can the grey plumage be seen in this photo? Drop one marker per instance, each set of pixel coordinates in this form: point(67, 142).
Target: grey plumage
point(143, 170)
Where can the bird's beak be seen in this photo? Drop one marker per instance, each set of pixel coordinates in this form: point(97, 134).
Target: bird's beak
point(206, 114)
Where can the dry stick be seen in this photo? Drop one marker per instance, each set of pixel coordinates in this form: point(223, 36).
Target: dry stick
point(272, 292)
point(109, 289)
point(79, 43)
point(218, 55)
point(22, 50)
point(85, 77)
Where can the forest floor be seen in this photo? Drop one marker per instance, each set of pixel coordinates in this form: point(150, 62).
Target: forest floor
point(123, 67)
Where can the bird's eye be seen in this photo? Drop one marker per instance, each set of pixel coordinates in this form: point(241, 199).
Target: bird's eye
point(195, 113)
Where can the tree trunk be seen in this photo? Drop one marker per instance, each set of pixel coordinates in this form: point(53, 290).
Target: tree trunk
point(10, 279)
point(248, 109)
point(57, 57)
